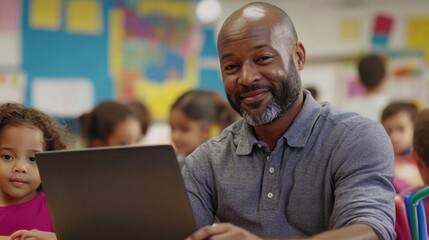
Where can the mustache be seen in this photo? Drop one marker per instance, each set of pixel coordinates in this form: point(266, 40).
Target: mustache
point(253, 87)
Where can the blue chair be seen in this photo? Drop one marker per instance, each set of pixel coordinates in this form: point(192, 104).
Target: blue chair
point(416, 213)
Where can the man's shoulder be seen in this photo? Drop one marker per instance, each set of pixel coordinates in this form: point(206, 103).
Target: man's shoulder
point(346, 120)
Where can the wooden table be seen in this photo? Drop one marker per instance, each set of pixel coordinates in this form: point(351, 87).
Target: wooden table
point(4, 238)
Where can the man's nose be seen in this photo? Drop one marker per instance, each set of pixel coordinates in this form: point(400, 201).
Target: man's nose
point(249, 74)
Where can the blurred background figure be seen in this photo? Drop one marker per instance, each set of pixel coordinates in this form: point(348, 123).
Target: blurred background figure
point(110, 123)
point(143, 114)
point(398, 120)
point(196, 116)
point(372, 75)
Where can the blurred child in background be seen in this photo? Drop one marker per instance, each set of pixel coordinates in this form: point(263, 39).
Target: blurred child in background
point(398, 120)
point(372, 76)
point(420, 150)
point(142, 113)
point(110, 123)
point(196, 116)
point(23, 207)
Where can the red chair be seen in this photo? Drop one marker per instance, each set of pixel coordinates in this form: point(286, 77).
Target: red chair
point(402, 225)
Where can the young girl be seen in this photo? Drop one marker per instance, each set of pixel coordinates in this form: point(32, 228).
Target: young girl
point(196, 116)
point(24, 132)
point(398, 120)
point(111, 123)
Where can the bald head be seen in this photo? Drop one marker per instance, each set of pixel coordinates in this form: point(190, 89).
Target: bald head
point(262, 14)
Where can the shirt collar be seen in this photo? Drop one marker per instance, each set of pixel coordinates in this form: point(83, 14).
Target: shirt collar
point(296, 136)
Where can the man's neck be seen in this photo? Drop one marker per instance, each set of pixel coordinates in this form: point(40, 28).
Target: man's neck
point(272, 132)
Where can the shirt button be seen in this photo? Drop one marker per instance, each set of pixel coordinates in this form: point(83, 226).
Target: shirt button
point(270, 195)
point(271, 169)
point(268, 157)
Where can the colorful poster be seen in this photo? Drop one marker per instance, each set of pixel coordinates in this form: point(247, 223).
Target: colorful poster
point(155, 51)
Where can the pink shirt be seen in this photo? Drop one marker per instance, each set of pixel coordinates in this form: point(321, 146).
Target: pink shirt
point(33, 214)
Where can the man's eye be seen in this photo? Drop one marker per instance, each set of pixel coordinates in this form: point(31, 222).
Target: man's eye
point(32, 159)
point(230, 67)
point(264, 58)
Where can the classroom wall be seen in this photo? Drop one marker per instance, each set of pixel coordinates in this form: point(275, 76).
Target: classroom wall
point(65, 56)
point(336, 32)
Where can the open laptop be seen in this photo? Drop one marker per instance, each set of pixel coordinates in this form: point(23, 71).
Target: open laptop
point(133, 192)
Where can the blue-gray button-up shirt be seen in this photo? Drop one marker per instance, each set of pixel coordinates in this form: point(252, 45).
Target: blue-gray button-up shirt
point(330, 169)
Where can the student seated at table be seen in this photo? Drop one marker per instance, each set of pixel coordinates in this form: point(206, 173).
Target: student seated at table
point(25, 131)
point(111, 123)
point(196, 116)
point(398, 120)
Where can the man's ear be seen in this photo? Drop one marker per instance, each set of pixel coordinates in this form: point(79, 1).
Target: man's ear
point(300, 55)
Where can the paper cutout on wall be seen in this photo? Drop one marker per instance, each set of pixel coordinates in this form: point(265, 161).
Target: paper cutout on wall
point(418, 34)
point(84, 16)
point(10, 34)
point(10, 15)
point(63, 97)
point(350, 29)
point(115, 44)
point(45, 14)
point(10, 50)
point(381, 30)
point(12, 87)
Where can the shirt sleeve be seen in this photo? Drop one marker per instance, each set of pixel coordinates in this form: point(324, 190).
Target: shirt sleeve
point(199, 186)
point(363, 175)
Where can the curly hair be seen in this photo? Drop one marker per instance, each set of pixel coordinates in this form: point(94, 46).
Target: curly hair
point(15, 114)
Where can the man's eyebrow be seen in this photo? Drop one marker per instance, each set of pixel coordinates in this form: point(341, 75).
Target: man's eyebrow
point(227, 55)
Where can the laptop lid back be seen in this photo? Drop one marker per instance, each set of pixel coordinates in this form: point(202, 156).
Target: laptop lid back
point(116, 193)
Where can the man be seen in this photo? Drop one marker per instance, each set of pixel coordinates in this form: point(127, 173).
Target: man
point(291, 167)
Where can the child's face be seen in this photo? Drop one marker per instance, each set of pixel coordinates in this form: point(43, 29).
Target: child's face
point(19, 175)
point(127, 132)
point(400, 128)
point(186, 134)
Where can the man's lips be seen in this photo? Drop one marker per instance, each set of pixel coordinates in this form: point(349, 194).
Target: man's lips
point(254, 96)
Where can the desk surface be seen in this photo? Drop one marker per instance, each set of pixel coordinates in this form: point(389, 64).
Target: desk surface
point(4, 238)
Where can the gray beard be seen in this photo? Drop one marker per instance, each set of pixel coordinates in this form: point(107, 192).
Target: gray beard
point(272, 112)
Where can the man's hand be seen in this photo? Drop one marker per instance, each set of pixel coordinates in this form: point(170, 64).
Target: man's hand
point(222, 231)
point(32, 235)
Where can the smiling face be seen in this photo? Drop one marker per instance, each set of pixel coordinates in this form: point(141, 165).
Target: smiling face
point(19, 175)
point(258, 53)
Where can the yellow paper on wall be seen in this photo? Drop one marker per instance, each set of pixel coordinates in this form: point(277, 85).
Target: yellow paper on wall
point(45, 14)
point(116, 40)
point(418, 34)
point(84, 16)
point(350, 29)
point(174, 9)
